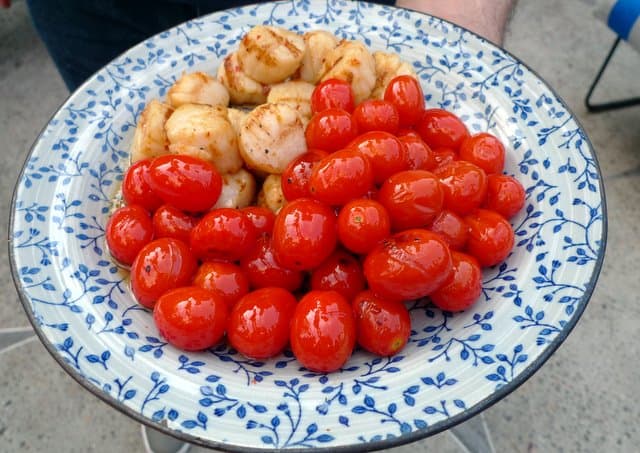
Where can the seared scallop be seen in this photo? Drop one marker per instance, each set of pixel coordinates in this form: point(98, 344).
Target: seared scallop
point(296, 94)
point(238, 190)
point(271, 195)
point(388, 66)
point(242, 88)
point(150, 139)
point(351, 61)
point(197, 88)
point(318, 43)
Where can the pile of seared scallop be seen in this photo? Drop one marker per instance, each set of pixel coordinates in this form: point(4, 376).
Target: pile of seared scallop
point(249, 119)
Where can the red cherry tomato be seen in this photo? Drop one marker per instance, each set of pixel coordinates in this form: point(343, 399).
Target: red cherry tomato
point(463, 288)
point(161, 265)
point(226, 280)
point(484, 150)
point(383, 326)
point(191, 318)
point(340, 177)
point(262, 218)
point(259, 323)
point(376, 115)
point(408, 265)
point(452, 229)
point(304, 234)
point(295, 178)
point(136, 188)
point(406, 94)
point(385, 151)
point(332, 93)
point(188, 183)
point(323, 332)
point(340, 272)
point(362, 224)
point(262, 269)
point(418, 155)
point(128, 230)
point(441, 129)
point(413, 198)
point(491, 237)
point(505, 195)
point(223, 233)
point(330, 130)
point(443, 156)
point(464, 185)
point(170, 222)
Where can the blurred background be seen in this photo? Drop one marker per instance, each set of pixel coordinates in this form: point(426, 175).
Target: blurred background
point(583, 399)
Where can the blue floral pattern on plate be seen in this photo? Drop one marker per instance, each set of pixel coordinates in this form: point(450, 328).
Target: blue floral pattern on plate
point(453, 366)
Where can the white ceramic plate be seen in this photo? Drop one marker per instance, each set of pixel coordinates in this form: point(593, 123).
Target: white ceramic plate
point(453, 367)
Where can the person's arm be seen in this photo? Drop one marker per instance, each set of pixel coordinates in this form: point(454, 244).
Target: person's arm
point(488, 18)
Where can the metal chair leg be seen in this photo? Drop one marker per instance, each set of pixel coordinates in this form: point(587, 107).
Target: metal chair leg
point(612, 105)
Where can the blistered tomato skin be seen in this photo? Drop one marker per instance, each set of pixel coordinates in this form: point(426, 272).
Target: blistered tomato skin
point(383, 326)
point(332, 93)
point(262, 270)
point(385, 151)
point(340, 177)
point(223, 234)
point(409, 265)
point(406, 94)
point(413, 198)
point(136, 188)
point(491, 237)
point(170, 222)
point(185, 182)
point(262, 218)
point(259, 323)
point(340, 272)
point(191, 318)
point(463, 288)
point(161, 265)
point(128, 230)
point(226, 280)
point(505, 195)
point(304, 234)
point(323, 332)
point(464, 185)
point(441, 129)
point(330, 130)
point(295, 178)
point(418, 155)
point(376, 115)
point(452, 228)
point(484, 150)
point(362, 224)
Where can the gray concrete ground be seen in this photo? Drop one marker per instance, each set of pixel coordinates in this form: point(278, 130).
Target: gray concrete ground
point(584, 398)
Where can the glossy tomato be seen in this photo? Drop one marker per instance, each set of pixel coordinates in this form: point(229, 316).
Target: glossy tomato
point(188, 183)
point(464, 185)
point(463, 288)
point(376, 115)
point(161, 265)
point(452, 229)
point(223, 233)
point(323, 332)
point(385, 151)
point(262, 269)
point(262, 218)
point(259, 325)
point(491, 237)
point(128, 230)
point(408, 265)
point(443, 156)
point(505, 195)
point(304, 234)
point(295, 178)
point(484, 150)
point(406, 94)
point(330, 130)
point(418, 155)
point(383, 326)
point(191, 318)
point(441, 129)
point(136, 188)
point(340, 177)
point(332, 93)
point(226, 280)
point(340, 272)
point(413, 198)
point(362, 224)
point(171, 222)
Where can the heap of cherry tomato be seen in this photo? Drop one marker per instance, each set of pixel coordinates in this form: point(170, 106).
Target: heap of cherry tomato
point(391, 202)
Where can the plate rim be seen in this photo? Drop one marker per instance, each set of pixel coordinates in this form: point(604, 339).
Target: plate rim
point(403, 439)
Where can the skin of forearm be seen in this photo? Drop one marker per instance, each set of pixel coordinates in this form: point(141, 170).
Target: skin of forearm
point(488, 18)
